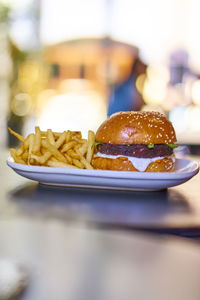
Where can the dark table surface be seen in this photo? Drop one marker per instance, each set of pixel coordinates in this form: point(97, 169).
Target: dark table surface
point(88, 244)
point(176, 209)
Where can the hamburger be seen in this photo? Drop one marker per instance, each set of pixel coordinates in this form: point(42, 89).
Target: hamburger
point(135, 141)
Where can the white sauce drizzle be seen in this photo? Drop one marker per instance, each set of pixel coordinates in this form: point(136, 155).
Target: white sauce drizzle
point(139, 163)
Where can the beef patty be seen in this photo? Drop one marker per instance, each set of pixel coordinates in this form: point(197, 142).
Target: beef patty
point(136, 150)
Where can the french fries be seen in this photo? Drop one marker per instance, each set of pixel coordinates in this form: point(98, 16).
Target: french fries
point(91, 140)
point(36, 146)
point(21, 138)
point(54, 149)
point(16, 158)
point(50, 136)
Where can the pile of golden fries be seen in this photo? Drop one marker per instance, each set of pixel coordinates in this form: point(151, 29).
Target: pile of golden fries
point(54, 149)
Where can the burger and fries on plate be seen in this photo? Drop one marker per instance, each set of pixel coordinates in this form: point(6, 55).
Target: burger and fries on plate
point(126, 141)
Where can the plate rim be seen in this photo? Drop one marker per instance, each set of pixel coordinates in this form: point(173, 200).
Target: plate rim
point(108, 173)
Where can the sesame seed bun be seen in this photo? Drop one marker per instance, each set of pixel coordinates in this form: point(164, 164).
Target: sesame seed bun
point(136, 128)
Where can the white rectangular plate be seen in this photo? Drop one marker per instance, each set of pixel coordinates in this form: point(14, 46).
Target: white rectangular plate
point(117, 180)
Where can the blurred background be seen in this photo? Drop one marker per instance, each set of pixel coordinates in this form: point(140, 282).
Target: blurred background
point(69, 64)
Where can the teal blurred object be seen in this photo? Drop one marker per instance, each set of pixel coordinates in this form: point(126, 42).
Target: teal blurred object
point(124, 96)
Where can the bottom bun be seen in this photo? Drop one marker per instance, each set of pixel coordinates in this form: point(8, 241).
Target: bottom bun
point(166, 164)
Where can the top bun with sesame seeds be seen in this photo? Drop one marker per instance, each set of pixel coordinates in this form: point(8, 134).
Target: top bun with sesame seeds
point(135, 141)
point(132, 127)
